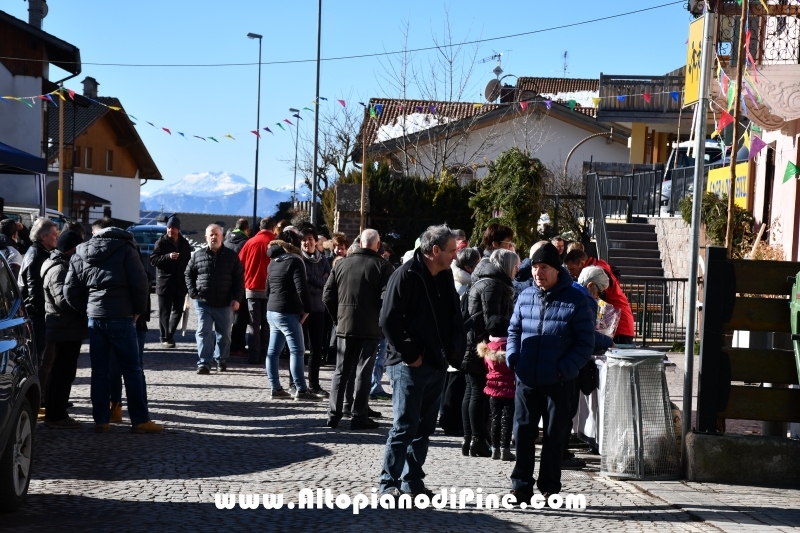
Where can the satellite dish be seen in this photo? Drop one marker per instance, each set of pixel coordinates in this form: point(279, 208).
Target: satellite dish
point(492, 91)
point(45, 9)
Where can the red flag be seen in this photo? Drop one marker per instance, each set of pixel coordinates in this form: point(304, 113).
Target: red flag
point(71, 94)
point(647, 97)
point(523, 106)
point(165, 129)
point(725, 119)
point(724, 84)
point(342, 102)
point(288, 121)
point(255, 132)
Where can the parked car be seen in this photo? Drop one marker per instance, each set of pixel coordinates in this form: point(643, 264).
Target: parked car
point(680, 158)
point(20, 394)
point(146, 237)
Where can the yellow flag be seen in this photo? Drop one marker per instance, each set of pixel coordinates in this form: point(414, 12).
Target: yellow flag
point(477, 106)
point(228, 135)
point(59, 95)
point(596, 101)
point(115, 108)
point(763, 3)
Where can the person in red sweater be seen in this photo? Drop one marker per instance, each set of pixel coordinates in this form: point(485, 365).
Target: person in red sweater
point(253, 256)
point(500, 387)
point(576, 261)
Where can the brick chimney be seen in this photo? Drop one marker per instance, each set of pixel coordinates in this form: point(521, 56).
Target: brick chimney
point(37, 10)
point(90, 87)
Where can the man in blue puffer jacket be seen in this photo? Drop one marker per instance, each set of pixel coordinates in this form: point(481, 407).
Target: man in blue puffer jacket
point(551, 337)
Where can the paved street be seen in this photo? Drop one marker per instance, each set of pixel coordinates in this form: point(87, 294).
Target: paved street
point(224, 435)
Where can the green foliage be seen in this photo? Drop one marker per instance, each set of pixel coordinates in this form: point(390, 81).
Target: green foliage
point(406, 205)
point(514, 186)
point(714, 214)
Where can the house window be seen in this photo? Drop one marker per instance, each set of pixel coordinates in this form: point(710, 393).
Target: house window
point(109, 160)
point(77, 155)
point(87, 158)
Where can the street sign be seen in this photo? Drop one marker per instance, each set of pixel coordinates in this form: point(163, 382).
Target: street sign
point(691, 86)
point(719, 182)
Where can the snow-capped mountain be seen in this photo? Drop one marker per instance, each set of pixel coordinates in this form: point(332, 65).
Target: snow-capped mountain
point(220, 193)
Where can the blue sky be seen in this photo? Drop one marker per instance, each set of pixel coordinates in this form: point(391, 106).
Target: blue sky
point(215, 101)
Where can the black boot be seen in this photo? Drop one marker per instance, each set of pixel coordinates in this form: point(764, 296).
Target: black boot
point(479, 448)
point(465, 446)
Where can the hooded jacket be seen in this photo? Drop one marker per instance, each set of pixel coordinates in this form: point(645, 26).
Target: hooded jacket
point(500, 380)
point(255, 261)
point(551, 335)
point(106, 276)
point(462, 279)
point(601, 342)
point(170, 278)
point(317, 271)
point(30, 279)
point(62, 322)
point(490, 305)
point(287, 287)
point(216, 279)
point(9, 250)
point(235, 240)
point(421, 316)
point(354, 293)
point(524, 277)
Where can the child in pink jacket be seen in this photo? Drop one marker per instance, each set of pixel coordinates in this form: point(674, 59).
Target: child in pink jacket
point(500, 387)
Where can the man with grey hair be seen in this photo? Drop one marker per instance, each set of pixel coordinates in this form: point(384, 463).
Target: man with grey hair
point(422, 322)
point(352, 295)
point(44, 234)
point(215, 280)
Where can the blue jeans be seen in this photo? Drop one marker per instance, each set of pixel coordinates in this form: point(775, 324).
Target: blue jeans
point(551, 403)
point(221, 320)
point(114, 341)
point(377, 370)
point(115, 375)
point(416, 395)
point(283, 328)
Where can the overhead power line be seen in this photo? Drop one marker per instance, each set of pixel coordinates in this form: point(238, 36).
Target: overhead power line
point(362, 56)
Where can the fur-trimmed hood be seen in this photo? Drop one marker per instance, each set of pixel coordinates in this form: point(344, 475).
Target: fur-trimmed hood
point(288, 247)
point(496, 356)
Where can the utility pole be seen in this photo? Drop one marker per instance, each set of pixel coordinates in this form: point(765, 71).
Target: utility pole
point(61, 161)
point(737, 110)
point(316, 121)
point(709, 31)
point(363, 170)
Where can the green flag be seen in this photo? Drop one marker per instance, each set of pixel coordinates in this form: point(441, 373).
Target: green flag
point(754, 127)
point(731, 96)
point(791, 171)
point(572, 104)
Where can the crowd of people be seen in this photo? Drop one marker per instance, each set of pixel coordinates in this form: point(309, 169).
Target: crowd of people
point(457, 330)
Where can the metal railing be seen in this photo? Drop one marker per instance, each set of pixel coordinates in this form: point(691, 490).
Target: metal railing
point(617, 100)
point(659, 308)
point(631, 194)
point(594, 210)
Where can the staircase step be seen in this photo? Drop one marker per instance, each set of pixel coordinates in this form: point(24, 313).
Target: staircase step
point(633, 236)
point(615, 253)
point(633, 245)
point(632, 228)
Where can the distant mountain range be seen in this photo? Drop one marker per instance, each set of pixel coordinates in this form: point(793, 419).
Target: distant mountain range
point(220, 193)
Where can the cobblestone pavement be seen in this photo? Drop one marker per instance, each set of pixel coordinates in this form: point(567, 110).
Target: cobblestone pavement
point(224, 435)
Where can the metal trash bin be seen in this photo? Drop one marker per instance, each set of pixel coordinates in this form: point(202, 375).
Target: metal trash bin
point(638, 433)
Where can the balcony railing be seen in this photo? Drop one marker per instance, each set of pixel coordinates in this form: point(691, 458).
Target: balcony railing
point(662, 106)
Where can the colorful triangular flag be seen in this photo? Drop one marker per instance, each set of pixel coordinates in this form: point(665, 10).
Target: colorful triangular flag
point(280, 126)
point(165, 129)
point(181, 134)
point(297, 116)
point(115, 108)
point(725, 119)
point(213, 139)
point(647, 97)
point(791, 171)
point(523, 106)
point(572, 104)
point(229, 136)
point(289, 122)
point(755, 128)
point(675, 95)
point(342, 102)
point(323, 98)
point(596, 101)
point(201, 138)
point(379, 109)
point(756, 145)
point(267, 129)
point(621, 98)
point(308, 109)
point(151, 123)
point(255, 132)
point(432, 109)
point(548, 103)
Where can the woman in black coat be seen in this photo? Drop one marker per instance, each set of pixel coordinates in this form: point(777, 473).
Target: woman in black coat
point(317, 270)
point(489, 310)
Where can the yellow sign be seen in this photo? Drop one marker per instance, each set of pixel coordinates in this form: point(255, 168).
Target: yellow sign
point(719, 182)
point(694, 54)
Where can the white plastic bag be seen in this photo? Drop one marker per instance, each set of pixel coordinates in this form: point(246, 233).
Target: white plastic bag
point(607, 318)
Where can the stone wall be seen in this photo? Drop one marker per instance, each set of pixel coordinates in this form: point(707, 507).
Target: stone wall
point(674, 236)
point(347, 218)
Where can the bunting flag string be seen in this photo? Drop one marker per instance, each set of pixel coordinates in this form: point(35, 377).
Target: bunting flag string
point(791, 171)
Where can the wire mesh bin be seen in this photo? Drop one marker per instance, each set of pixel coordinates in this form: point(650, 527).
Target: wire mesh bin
point(638, 433)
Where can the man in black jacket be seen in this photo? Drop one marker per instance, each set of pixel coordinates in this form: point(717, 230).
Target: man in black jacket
point(215, 280)
point(352, 296)
point(170, 256)
point(106, 277)
point(422, 322)
point(236, 240)
point(44, 235)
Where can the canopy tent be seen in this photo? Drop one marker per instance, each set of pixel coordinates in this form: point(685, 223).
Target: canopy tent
point(14, 161)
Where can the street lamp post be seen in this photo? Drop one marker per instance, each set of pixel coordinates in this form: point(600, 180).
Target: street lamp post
point(258, 128)
point(316, 120)
point(296, 135)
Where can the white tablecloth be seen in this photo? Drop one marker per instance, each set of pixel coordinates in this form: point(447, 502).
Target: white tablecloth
point(588, 423)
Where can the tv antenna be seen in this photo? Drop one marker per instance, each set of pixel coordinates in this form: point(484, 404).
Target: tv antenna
point(565, 63)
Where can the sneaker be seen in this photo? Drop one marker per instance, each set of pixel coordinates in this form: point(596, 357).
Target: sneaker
point(102, 428)
point(319, 391)
point(147, 427)
point(383, 396)
point(203, 370)
point(364, 424)
point(116, 413)
point(373, 414)
point(279, 394)
point(222, 367)
point(167, 344)
point(573, 463)
point(292, 389)
point(64, 423)
point(347, 413)
point(305, 395)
